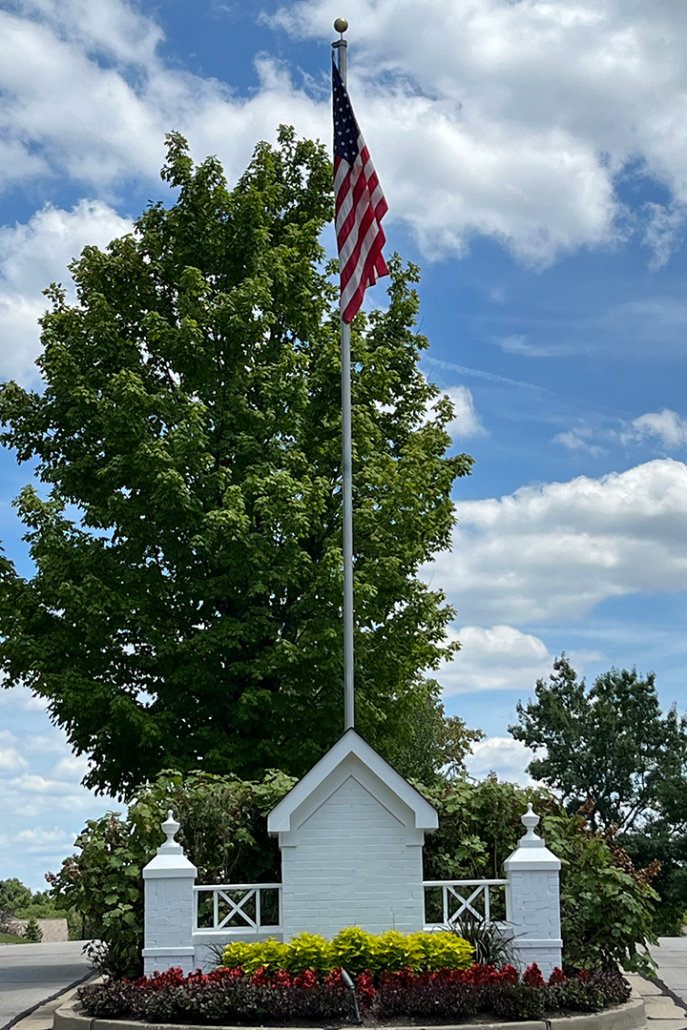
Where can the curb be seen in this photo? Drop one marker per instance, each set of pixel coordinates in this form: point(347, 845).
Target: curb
point(630, 1016)
point(46, 1001)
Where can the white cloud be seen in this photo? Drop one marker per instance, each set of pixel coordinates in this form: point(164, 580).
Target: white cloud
point(34, 254)
point(664, 232)
point(466, 421)
point(555, 550)
point(521, 133)
point(506, 757)
point(10, 756)
point(21, 698)
point(86, 94)
point(520, 118)
point(579, 439)
point(500, 658)
point(667, 426)
point(71, 767)
point(49, 843)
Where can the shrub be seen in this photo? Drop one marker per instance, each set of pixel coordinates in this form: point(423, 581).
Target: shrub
point(441, 997)
point(224, 833)
point(264, 997)
point(355, 950)
point(607, 907)
point(518, 1001)
point(32, 931)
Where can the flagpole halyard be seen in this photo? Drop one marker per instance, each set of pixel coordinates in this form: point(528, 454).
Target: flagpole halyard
point(340, 46)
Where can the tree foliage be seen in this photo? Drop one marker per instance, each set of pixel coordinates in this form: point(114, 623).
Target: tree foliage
point(14, 895)
point(223, 831)
point(608, 744)
point(607, 905)
point(185, 607)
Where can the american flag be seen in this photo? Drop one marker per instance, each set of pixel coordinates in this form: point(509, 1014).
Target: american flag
point(360, 206)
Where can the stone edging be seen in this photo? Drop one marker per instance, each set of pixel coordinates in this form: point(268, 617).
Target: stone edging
point(629, 1016)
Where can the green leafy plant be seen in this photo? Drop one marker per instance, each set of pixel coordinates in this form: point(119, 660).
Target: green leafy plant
point(607, 906)
point(355, 950)
point(493, 945)
point(223, 829)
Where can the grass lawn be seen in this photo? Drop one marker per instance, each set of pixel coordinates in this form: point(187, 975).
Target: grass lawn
point(9, 938)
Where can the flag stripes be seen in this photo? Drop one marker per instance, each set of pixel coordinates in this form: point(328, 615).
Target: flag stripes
point(360, 207)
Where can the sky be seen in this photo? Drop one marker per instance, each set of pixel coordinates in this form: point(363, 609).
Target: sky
point(533, 155)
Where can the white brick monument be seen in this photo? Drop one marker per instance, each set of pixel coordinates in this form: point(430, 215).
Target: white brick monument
point(351, 834)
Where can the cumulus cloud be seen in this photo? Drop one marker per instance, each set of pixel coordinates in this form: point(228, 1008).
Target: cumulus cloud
point(34, 254)
point(579, 439)
point(666, 426)
point(555, 550)
point(39, 841)
point(10, 756)
point(506, 757)
point(520, 118)
point(466, 422)
point(86, 94)
point(521, 133)
point(500, 658)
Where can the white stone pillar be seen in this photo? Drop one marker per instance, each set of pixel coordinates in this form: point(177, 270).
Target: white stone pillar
point(533, 900)
point(169, 906)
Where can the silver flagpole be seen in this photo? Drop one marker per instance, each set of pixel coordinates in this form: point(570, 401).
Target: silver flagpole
point(339, 46)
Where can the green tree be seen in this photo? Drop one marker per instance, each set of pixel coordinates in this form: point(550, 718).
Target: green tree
point(14, 895)
point(434, 745)
point(32, 931)
point(608, 746)
point(185, 607)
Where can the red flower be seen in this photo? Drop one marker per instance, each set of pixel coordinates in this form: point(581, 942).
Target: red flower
point(533, 977)
point(557, 977)
point(333, 978)
point(365, 988)
point(583, 975)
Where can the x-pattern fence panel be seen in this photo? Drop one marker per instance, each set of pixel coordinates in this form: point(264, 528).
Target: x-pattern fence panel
point(452, 900)
point(238, 907)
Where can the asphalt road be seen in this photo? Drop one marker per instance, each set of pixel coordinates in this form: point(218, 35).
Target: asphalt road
point(32, 973)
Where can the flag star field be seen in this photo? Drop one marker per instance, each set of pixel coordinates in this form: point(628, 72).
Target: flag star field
point(532, 157)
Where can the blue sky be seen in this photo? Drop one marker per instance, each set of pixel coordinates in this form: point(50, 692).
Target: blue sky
point(533, 157)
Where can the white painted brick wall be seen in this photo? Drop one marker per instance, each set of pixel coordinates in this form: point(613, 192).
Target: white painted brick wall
point(351, 864)
point(168, 933)
point(533, 900)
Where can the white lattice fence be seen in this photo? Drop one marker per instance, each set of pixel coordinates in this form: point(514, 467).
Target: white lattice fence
point(457, 899)
point(238, 908)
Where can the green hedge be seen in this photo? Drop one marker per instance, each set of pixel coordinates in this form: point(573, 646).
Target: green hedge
point(355, 950)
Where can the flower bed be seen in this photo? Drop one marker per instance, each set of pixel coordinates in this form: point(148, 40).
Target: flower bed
point(279, 998)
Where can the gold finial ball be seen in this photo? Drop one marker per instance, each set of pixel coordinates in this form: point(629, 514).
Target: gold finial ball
point(341, 25)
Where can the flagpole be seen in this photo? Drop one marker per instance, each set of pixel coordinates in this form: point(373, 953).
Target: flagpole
point(340, 46)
